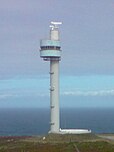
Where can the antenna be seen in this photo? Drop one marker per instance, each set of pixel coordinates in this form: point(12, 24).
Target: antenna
point(54, 25)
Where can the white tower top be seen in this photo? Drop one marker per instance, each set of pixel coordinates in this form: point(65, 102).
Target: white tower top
point(50, 48)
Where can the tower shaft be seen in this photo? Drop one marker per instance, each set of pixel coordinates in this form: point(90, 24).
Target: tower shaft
point(54, 96)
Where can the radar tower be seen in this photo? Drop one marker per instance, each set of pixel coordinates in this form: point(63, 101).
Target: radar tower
point(50, 50)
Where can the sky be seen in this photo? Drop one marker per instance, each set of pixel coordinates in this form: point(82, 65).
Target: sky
point(87, 42)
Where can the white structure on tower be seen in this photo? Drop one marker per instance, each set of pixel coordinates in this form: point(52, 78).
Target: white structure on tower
point(50, 50)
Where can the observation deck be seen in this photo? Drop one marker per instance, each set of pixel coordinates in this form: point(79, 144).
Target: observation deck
point(50, 49)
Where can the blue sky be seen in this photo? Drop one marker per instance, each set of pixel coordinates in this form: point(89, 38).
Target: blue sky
point(87, 65)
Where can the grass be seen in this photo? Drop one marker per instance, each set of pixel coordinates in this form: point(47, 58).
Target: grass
point(56, 143)
point(99, 146)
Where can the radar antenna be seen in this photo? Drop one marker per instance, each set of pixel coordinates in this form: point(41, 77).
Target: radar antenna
point(54, 25)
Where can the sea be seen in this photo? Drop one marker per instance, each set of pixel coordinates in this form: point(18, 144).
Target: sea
point(35, 121)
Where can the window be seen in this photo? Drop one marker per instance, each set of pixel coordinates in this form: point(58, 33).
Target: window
point(50, 47)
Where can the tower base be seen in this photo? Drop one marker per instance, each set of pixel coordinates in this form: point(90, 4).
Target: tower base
point(53, 132)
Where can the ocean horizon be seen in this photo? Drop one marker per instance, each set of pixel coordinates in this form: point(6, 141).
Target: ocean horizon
point(35, 121)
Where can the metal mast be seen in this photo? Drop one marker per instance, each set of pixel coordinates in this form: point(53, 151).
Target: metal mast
point(51, 51)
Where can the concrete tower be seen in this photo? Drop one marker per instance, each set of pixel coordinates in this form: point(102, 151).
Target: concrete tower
point(50, 50)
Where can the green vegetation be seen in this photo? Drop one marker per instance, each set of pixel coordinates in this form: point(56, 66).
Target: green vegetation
point(56, 143)
point(67, 138)
point(99, 146)
point(19, 145)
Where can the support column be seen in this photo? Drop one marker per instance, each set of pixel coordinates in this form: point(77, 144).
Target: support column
point(54, 96)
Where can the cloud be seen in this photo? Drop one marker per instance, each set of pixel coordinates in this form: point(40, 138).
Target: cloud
point(5, 96)
point(22, 94)
point(89, 93)
point(35, 94)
